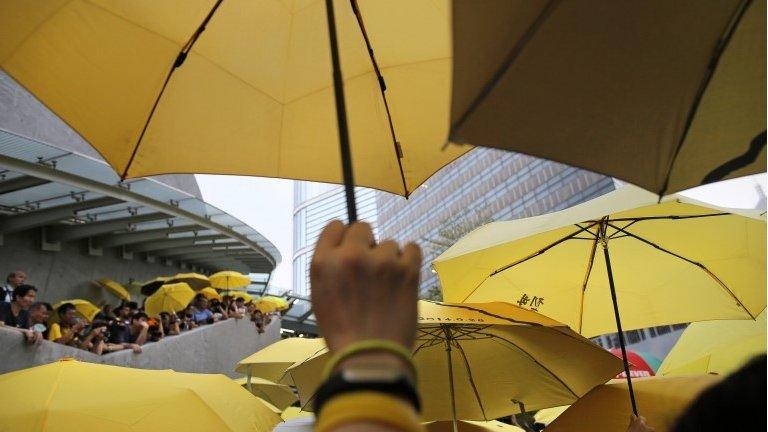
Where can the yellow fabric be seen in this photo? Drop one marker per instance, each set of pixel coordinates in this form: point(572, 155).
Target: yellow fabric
point(240, 294)
point(115, 288)
point(279, 301)
point(369, 345)
point(156, 281)
point(271, 362)
point(369, 407)
point(472, 426)
point(548, 415)
point(279, 395)
point(254, 96)
point(195, 281)
point(69, 395)
point(294, 412)
point(606, 408)
point(210, 293)
point(512, 354)
point(719, 347)
point(265, 306)
point(229, 280)
point(169, 298)
point(54, 332)
point(653, 287)
point(84, 308)
point(574, 85)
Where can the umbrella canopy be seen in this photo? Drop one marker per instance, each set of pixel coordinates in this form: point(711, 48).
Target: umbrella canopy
point(195, 281)
point(472, 426)
point(280, 302)
point(719, 347)
point(640, 365)
point(69, 395)
point(271, 362)
point(604, 408)
point(84, 308)
point(489, 360)
point(169, 298)
point(210, 293)
point(258, 79)
point(665, 95)
point(240, 294)
point(673, 262)
point(229, 280)
point(115, 288)
point(279, 395)
point(295, 412)
point(548, 415)
point(149, 287)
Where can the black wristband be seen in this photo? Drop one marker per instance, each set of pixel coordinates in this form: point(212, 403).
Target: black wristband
point(336, 385)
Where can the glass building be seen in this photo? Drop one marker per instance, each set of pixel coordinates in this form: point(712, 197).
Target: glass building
point(482, 186)
point(314, 205)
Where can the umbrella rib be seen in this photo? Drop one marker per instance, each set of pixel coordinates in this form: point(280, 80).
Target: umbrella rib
point(511, 57)
point(383, 91)
point(672, 217)
point(471, 379)
point(690, 261)
point(710, 72)
point(590, 264)
point(180, 58)
point(535, 361)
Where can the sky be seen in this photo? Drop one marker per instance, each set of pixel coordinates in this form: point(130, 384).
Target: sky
point(267, 205)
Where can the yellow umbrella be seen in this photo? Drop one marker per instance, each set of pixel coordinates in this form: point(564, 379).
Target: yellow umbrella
point(271, 362)
point(169, 298)
point(149, 287)
point(472, 426)
point(195, 281)
point(587, 85)
point(719, 347)
point(229, 280)
point(69, 395)
point(83, 307)
point(115, 288)
point(295, 412)
point(548, 415)
point(210, 293)
point(676, 261)
point(605, 409)
point(482, 361)
point(280, 302)
point(279, 395)
point(241, 294)
point(258, 79)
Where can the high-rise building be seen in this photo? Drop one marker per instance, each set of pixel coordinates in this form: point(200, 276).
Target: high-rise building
point(481, 186)
point(314, 205)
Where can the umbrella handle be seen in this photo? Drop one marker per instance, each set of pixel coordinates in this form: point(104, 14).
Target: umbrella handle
point(341, 115)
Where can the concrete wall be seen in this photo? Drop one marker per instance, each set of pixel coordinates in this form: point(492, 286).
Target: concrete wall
point(24, 115)
point(69, 273)
point(214, 348)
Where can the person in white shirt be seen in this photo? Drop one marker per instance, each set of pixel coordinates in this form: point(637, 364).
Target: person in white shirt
point(13, 280)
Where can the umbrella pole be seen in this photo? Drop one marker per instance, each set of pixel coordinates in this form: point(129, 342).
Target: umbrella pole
point(618, 326)
point(341, 115)
point(450, 376)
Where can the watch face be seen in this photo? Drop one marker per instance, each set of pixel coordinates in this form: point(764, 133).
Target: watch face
point(353, 374)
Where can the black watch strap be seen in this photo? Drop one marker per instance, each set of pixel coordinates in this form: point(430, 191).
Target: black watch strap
point(336, 385)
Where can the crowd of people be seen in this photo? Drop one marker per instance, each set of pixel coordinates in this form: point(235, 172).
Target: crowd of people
point(125, 326)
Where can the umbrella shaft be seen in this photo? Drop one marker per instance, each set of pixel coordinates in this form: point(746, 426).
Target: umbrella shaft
point(450, 378)
point(341, 115)
point(618, 327)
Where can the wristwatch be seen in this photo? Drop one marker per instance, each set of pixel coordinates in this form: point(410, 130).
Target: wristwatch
point(371, 378)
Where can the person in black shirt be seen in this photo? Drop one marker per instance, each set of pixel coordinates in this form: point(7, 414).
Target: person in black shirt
point(39, 313)
point(16, 313)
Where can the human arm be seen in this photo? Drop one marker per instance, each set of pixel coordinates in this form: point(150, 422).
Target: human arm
point(142, 337)
point(66, 338)
point(369, 282)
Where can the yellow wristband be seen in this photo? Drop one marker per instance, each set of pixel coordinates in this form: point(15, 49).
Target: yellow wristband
point(367, 406)
point(370, 345)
